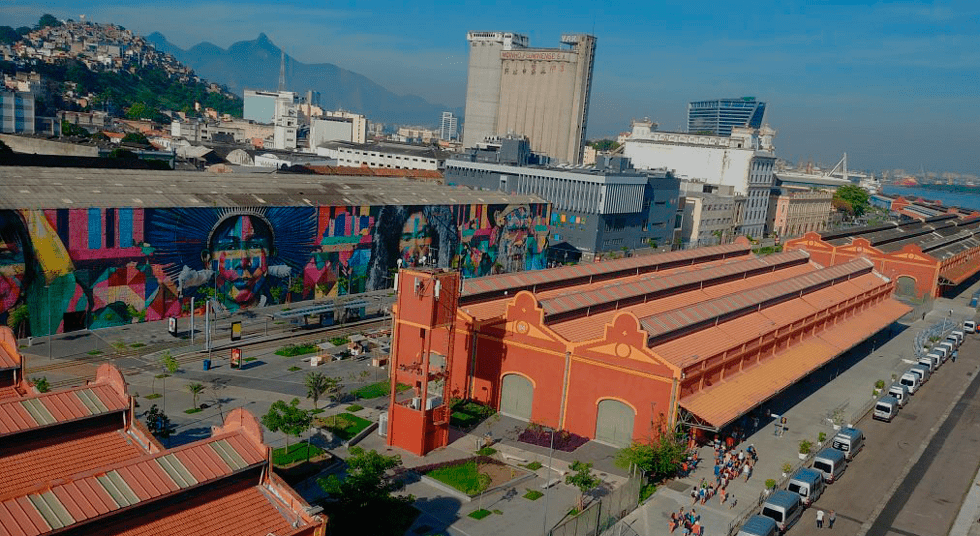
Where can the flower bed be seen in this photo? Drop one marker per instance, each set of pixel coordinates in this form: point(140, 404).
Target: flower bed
point(472, 476)
point(564, 441)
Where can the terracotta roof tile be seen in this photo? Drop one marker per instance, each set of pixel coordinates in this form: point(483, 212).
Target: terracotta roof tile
point(10, 357)
point(62, 456)
point(117, 481)
point(63, 406)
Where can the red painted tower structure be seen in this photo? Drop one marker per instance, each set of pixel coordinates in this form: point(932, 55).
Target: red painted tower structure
point(422, 350)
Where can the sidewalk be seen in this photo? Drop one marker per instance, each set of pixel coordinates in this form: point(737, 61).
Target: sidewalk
point(845, 383)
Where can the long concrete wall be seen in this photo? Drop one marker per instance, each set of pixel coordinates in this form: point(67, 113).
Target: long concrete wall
point(22, 144)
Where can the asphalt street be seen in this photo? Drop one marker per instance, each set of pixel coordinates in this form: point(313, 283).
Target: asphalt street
point(913, 473)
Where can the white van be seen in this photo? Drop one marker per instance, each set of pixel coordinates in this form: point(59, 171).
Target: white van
point(759, 526)
point(930, 362)
point(807, 483)
point(958, 335)
point(922, 371)
point(784, 507)
point(949, 346)
point(886, 408)
point(943, 352)
point(911, 381)
point(849, 440)
point(831, 462)
point(900, 392)
point(969, 326)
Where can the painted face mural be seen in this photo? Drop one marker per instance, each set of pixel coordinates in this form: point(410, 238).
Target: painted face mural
point(13, 259)
point(238, 252)
point(98, 267)
point(416, 242)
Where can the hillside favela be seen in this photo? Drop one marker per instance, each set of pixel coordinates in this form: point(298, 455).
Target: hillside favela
point(443, 269)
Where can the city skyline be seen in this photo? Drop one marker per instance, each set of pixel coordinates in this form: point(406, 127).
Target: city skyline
point(892, 85)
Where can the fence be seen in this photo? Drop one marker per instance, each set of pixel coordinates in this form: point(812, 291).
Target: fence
point(603, 513)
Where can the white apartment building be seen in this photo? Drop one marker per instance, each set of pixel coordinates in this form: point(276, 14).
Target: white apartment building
point(387, 154)
point(16, 112)
point(745, 161)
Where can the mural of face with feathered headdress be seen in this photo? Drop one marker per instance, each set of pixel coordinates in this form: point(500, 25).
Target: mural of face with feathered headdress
point(238, 252)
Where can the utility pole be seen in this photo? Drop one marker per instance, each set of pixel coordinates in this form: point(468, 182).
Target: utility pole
point(192, 320)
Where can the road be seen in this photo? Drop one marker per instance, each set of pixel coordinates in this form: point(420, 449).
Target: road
point(913, 473)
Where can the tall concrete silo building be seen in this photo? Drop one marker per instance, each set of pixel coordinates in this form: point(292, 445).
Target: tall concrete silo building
point(541, 93)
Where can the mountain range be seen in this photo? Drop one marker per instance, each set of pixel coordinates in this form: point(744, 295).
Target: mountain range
point(255, 65)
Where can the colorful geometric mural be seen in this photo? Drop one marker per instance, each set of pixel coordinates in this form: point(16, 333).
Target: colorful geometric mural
point(70, 269)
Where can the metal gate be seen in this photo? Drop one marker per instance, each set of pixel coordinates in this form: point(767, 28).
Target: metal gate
point(614, 423)
point(516, 396)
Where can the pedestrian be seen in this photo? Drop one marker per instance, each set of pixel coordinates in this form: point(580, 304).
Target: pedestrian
point(734, 502)
point(748, 471)
point(830, 519)
point(673, 522)
point(782, 428)
point(776, 424)
point(819, 519)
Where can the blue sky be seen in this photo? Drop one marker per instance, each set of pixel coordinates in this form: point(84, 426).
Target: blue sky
point(895, 84)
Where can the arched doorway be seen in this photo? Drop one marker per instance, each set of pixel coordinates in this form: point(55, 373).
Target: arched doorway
point(516, 396)
point(614, 423)
point(905, 286)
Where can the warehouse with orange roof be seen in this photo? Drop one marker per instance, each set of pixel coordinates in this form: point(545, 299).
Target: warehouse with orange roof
point(622, 350)
point(77, 461)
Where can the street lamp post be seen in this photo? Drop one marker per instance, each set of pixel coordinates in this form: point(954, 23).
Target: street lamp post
point(547, 484)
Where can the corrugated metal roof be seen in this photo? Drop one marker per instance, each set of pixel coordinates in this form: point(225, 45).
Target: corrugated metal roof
point(651, 286)
point(73, 500)
point(43, 188)
point(18, 415)
point(493, 286)
point(661, 325)
point(735, 396)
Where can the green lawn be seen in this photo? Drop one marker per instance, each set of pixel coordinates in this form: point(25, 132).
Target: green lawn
point(345, 425)
point(376, 390)
point(465, 477)
point(293, 350)
point(479, 514)
point(153, 396)
point(354, 407)
point(296, 452)
point(468, 414)
point(646, 491)
point(192, 410)
point(533, 494)
point(294, 369)
point(94, 352)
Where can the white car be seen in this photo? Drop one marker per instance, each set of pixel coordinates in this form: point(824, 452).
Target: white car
point(970, 326)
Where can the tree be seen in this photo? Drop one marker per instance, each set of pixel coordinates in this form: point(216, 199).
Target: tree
point(659, 459)
point(47, 20)
point(136, 137)
point(604, 145)
point(19, 317)
point(287, 418)
point(296, 287)
point(8, 35)
point(365, 491)
point(276, 293)
point(195, 389)
point(169, 362)
point(319, 384)
point(856, 196)
point(157, 422)
point(41, 384)
point(583, 479)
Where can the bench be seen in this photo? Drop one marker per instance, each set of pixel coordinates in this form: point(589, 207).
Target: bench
point(512, 457)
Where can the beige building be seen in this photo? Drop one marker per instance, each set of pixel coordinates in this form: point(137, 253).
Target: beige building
point(540, 93)
point(709, 214)
point(795, 211)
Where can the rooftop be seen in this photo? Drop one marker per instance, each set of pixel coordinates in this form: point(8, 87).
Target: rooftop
point(47, 188)
point(940, 236)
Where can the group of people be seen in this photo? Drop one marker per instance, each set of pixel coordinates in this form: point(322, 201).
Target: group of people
point(691, 521)
point(831, 517)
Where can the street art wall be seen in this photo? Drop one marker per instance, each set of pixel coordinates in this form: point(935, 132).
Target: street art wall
point(70, 269)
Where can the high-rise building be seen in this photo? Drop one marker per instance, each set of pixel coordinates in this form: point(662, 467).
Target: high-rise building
point(719, 116)
point(540, 93)
point(448, 127)
point(16, 112)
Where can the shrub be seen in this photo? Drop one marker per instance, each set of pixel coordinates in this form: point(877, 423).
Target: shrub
point(534, 466)
point(821, 437)
point(805, 446)
point(770, 483)
point(880, 384)
point(293, 350)
point(479, 514)
point(344, 425)
point(354, 407)
point(486, 451)
point(565, 441)
point(787, 468)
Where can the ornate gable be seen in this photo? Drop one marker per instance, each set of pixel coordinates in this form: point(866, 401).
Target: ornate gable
point(624, 343)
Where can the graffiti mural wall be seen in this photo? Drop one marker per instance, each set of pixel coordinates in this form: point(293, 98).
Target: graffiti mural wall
point(69, 269)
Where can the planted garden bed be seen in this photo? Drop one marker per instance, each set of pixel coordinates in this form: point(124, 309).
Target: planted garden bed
point(343, 425)
point(472, 476)
point(565, 441)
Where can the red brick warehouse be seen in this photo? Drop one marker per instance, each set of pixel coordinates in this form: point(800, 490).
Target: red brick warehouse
point(618, 350)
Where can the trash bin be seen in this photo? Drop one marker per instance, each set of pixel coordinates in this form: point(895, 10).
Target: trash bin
point(207, 364)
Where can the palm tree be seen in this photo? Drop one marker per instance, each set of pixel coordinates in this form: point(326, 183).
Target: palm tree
point(195, 389)
point(318, 384)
